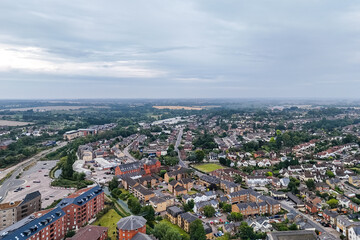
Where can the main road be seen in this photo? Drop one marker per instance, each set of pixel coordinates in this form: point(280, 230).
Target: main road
point(316, 225)
point(130, 158)
point(12, 182)
point(178, 141)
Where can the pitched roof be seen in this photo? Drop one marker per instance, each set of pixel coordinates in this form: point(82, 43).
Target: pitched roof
point(81, 197)
point(188, 217)
point(142, 236)
point(174, 211)
point(32, 226)
point(89, 232)
point(131, 222)
point(30, 197)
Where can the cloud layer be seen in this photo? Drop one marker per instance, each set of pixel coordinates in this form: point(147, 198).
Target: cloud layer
point(179, 49)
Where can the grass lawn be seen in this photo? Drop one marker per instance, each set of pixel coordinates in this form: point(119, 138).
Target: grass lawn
point(175, 227)
point(109, 220)
point(208, 167)
point(191, 192)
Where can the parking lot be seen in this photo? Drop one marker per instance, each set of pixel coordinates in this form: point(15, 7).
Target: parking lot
point(37, 179)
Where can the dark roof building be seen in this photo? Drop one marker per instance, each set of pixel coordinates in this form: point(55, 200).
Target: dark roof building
point(90, 232)
point(131, 223)
point(292, 235)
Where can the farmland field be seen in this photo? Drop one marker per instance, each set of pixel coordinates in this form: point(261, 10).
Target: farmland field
point(53, 108)
point(184, 107)
point(208, 167)
point(13, 123)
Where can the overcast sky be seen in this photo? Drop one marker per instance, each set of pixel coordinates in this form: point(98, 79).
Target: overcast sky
point(179, 49)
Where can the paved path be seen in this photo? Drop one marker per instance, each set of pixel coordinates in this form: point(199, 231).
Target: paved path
point(12, 182)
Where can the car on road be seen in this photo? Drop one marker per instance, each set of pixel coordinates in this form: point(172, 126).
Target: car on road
point(28, 186)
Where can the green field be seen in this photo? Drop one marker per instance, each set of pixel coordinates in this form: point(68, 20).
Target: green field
point(208, 167)
point(109, 220)
point(175, 227)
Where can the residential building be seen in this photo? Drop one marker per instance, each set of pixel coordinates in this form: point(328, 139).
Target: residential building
point(294, 235)
point(130, 226)
point(48, 224)
point(90, 232)
point(81, 206)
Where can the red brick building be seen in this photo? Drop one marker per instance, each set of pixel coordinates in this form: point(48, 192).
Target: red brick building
point(48, 224)
point(81, 206)
point(129, 226)
point(128, 168)
point(152, 166)
point(91, 232)
point(52, 224)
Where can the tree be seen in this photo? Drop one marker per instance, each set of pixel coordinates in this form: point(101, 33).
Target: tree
point(235, 216)
point(237, 178)
point(310, 184)
point(113, 183)
point(172, 234)
point(330, 174)
point(191, 204)
point(246, 232)
point(197, 231)
point(209, 211)
point(199, 154)
point(293, 227)
point(134, 205)
point(162, 173)
point(227, 207)
point(269, 174)
point(333, 203)
point(160, 230)
point(148, 213)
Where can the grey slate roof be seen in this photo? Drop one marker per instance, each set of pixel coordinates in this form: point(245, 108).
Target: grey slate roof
point(30, 197)
point(174, 211)
point(130, 166)
point(33, 226)
point(142, 236)
point(188, 217)
point(131, 222)
point(210, 179)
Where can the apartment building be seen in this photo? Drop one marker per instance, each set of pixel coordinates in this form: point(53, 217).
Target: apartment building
point(48, 224)
point(130, 226)
point(12, 212)
point(81, 206)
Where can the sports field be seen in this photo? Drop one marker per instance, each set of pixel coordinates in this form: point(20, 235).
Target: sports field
point(208, 167)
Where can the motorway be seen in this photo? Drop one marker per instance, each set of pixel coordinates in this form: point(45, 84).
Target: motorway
point(12, 182)
point(329, 235)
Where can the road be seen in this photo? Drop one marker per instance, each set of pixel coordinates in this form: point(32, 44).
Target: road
point(127, 154)
point(178, 141)
point(12, 182)
point(288, 207)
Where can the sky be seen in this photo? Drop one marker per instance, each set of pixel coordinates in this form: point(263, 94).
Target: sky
point(179, 49)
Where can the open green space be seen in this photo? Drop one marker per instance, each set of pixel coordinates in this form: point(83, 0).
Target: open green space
point(208, 167)
point(175, 227)
point(109, 220)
